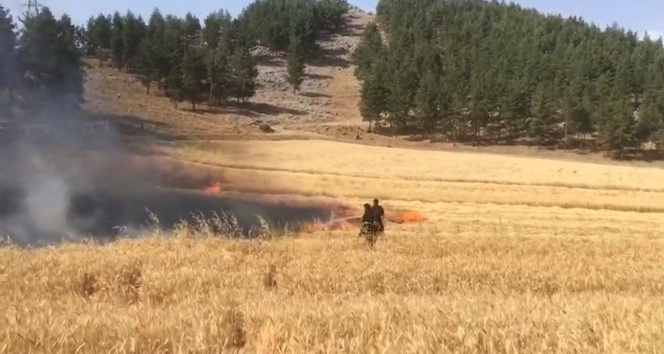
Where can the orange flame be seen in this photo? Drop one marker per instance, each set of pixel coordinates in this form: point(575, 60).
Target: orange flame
point(213, 188)
point(409, 217)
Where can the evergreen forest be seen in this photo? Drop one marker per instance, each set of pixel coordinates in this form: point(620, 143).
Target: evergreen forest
point(189, 59)
point(487, 72)
point(474, 71)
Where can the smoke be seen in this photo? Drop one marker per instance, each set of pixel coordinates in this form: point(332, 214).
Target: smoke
point(73, 185)
point(46, 203)
point(35, 194)
point(67, 181)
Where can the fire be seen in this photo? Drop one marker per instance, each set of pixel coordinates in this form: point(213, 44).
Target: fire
point(213, 188)
point(331, 227)
point(409, 217)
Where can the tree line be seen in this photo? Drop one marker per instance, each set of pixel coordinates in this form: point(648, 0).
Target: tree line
point(491, 72)
point(40, 65)
point(41, 61)
point(212, 61)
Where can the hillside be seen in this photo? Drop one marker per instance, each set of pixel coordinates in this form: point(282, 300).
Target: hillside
point(328, 104)
point(491, 73)
point(329, 96)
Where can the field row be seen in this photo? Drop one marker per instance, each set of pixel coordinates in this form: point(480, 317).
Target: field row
point(351, 160)
point(392, 189)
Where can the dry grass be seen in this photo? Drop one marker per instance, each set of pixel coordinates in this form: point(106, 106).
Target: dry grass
point(331, 169)
point(422, 291)
point(517, 256)
point(370, 161)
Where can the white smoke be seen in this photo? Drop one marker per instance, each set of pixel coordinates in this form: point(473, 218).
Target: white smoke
point(42, 201)
point(47, 202)
point(36, 188)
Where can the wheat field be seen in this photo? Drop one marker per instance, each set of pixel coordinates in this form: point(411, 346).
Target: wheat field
point(517, 255)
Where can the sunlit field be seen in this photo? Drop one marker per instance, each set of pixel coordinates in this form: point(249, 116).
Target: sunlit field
point(517, 255)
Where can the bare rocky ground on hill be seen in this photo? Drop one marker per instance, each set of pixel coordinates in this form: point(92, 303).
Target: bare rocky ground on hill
point(328, 95)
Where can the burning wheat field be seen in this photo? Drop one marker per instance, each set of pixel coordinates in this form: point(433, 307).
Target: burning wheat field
point(98, 197)
point(481, 253)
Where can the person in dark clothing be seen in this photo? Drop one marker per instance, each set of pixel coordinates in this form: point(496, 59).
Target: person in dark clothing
point(367, 216)
point(378, 214)
point(367, 219)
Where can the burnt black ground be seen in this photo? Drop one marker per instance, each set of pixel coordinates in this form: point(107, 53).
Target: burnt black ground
point(100, 187)
point(100, 214)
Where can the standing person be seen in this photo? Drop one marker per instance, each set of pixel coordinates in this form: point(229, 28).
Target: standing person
point(367, 217)
point(378, 214)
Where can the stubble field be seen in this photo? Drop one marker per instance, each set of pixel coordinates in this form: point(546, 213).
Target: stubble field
point(516, 255)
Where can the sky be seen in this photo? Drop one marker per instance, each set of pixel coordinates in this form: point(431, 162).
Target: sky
point(638, 15)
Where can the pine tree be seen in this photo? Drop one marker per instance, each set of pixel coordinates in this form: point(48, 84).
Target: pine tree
point(368, 50)
point(68, 73)
point(230, 35)
point(100, 31)
point(606, 125)
point(175, 45)
point(374, 94)
point(244, 73)
point(516, 102)
point(193, 75)
point(543, 111)
point(191, 27)
point(50, 58)
point(399, 102)
point(133, 32)
point(478, 112)
point(331, 13)
point(625, 133)
point(174, 85)
point(213, 28)
point(427, 101)
point(649, 118)
point(655, 113)
point(581, 115)
point(8, 65)
point(219, 75)
point(403, 85)
point(153, 50)
point(296, 62)
point(36, 49)
point(117, 41)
